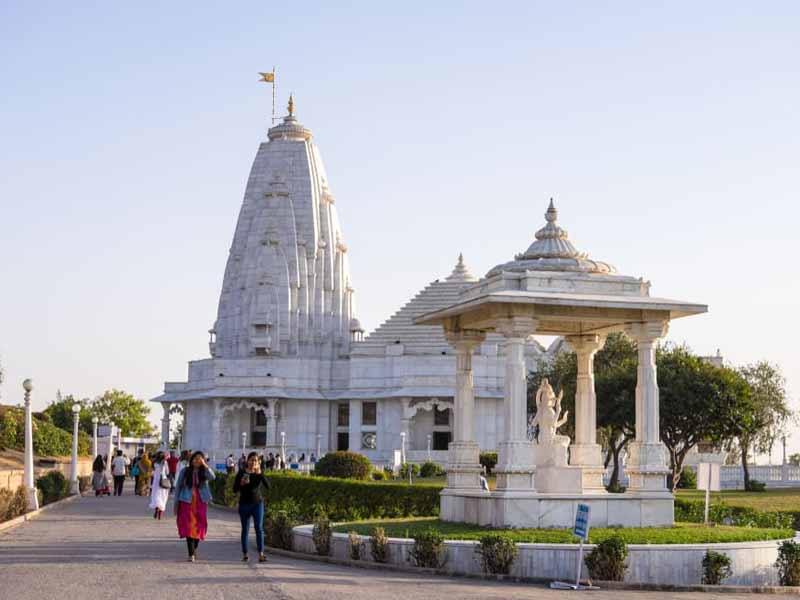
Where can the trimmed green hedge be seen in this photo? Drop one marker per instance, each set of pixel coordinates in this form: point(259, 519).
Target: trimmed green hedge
point(339, 499)
point(691, 511)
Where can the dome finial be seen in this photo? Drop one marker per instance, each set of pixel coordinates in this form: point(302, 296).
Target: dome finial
point(460, 272)
point(291, 105)
point(552, 214)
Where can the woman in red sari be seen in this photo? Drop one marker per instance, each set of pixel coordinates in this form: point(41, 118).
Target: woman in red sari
point(192, 496)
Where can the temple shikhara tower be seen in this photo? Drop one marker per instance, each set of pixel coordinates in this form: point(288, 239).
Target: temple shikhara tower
point(290, 370)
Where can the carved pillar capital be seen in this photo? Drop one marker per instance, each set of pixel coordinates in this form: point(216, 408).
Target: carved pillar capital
point(647, 332)
point(516, 327)
point(586, 343)
point(465, 339)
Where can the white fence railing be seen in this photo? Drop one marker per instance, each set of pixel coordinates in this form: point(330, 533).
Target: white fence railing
point(775, 476)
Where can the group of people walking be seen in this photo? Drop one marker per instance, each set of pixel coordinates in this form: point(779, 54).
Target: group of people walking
point(269, 462)
point(159, 474)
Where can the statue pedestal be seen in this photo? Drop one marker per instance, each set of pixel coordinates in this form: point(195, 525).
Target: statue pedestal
point(536, 510)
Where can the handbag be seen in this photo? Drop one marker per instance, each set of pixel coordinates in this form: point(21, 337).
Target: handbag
point(164, 482)
point(135, 471)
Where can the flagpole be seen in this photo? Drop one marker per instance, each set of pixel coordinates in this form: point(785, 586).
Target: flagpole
point(273, 95)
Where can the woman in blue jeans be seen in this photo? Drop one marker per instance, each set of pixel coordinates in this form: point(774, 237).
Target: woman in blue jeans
point(248, 484)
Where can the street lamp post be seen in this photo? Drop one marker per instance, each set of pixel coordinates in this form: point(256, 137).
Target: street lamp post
point(110, 456)
point(244, 440)
point(429, 446)
point(319, 445)
point(33, 501)
point(95, 421)
point(76, 411)
point(283, 446)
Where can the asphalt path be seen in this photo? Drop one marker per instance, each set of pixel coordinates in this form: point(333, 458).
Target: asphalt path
point(111, 547)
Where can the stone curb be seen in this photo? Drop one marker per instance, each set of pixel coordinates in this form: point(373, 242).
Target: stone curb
point(608, 585)
point(35, 513)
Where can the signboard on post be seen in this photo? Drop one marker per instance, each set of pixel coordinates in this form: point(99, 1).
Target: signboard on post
point(708, 479)
point(581, 531)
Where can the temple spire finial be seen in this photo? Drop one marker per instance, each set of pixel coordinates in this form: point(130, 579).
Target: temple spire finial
point(552, 214)
point(291, 105)
point(460, 271)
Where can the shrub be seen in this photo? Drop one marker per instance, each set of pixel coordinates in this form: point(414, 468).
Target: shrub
point(688, 480)
point(430, 469)
point(788, 563)
point(54, 486)
point(691, 511)
point(279, 520)
point(496, 552)
point(488, 460)
point(13, 504)
point(428, 550)
point(379, 476)
point(84, 483)
point(716, 567)
point(606, 561)
point(404, 470)
point(11, 430)
point(344, 465)
point(355, 546)
point(321, 534)
point(379, 545)
point(756, 486)
point(616, 488)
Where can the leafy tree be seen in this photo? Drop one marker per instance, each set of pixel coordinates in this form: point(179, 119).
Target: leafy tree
point(128, 413)
point(794, 459)
point(698, 402)
point(762, 419)
point(59, 412)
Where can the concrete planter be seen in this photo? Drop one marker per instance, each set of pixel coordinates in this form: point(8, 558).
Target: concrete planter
point(657, 564)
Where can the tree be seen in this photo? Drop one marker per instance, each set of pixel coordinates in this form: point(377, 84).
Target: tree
point(128, 413)
point(59, 412)
point(794, 459)
point(698, 402)
point(763, 419)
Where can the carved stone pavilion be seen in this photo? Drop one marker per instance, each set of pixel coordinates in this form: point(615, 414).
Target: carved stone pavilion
point(553, 289)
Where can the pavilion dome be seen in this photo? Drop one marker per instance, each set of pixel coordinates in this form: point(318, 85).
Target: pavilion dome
point(553, 251)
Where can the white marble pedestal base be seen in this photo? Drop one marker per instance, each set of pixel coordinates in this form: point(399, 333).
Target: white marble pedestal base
point(527, 509)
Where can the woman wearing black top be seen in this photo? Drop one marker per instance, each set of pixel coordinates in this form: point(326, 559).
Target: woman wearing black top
point(248, 484)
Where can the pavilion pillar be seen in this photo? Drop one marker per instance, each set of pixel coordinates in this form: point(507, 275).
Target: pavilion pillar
point(165, 406)
point(585, 452)
point(647, 456)
point(515, 465)
point(463, 464)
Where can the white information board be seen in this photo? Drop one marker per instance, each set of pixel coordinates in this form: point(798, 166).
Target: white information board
point(708, 477)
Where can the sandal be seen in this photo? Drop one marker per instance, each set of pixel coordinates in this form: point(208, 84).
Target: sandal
point(245, 558)
point(261, 557)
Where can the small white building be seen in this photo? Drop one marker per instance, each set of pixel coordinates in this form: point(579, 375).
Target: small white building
point(289, 367)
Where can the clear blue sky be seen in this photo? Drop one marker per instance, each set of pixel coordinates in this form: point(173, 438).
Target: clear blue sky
point(668, 135)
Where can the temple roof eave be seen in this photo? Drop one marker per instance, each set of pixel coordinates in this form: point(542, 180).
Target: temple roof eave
point(610, 310)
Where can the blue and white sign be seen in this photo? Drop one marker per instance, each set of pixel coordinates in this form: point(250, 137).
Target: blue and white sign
point(581, 528)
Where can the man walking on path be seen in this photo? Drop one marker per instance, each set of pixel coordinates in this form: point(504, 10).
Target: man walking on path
point(118, 468)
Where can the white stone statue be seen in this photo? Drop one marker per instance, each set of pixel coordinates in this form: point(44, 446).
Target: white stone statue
point(552, 448)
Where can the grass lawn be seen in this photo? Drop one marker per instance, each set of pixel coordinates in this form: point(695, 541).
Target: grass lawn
point(787, 500)
point(682, 533)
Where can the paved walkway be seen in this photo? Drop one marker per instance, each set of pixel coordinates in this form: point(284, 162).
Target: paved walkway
point(112, 548)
